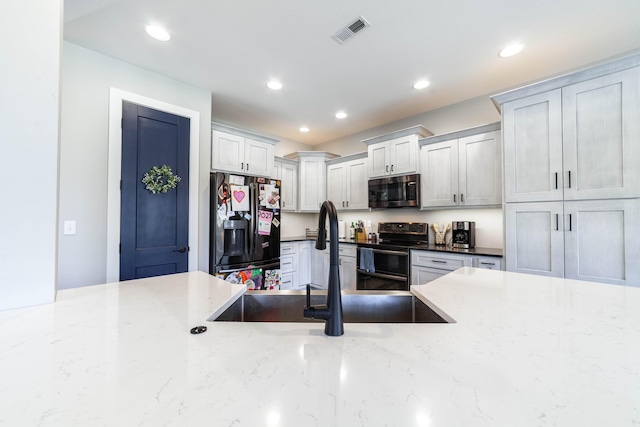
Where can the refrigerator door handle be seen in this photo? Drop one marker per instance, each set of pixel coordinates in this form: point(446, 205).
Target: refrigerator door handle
point(253, 203)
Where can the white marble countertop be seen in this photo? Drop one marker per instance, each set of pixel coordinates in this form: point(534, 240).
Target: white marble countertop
point(524, 351)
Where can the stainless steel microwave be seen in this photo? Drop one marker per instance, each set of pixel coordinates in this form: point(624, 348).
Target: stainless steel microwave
point(395, 192)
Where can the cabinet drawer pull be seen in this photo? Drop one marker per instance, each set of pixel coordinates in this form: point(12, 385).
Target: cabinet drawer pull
point(487, 263)
point(437, 261)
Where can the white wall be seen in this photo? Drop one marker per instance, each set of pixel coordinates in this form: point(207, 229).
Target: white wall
point(470, 113)
point(87, 77)
point(29, 105)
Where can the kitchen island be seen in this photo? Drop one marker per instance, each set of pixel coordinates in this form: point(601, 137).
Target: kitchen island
point(523, 351)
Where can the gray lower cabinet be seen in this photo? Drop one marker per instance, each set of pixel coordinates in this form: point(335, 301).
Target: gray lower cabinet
point(295, 264)
point(346, 265)
point(585, 240)
point(427, 266)
point(601, 241)
point(534, 242)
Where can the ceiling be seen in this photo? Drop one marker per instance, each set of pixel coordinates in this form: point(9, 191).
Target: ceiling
point(232, 48)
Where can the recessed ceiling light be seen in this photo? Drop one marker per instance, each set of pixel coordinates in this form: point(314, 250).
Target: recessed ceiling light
point(158, 33)
point(341, 115)
point(304, 129)
point(421, 84)
point(511, 50)
point(274, 85)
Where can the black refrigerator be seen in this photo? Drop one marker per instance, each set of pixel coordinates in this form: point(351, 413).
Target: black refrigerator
point(244, 241)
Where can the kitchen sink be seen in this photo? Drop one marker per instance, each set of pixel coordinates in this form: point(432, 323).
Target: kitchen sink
point(357, 307)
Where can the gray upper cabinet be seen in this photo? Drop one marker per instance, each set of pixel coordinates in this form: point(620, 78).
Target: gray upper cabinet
point(462, 168)
point(394, 153)
point(578, 142)
point(532, 130)
point(347, 182)
point(312, 181)
point(235, 150)
point(286, 170)
point(601, 137)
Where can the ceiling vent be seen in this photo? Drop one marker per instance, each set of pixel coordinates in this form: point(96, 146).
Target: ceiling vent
point(350, 30)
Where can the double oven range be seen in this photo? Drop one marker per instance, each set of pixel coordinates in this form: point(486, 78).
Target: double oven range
point(385, 265)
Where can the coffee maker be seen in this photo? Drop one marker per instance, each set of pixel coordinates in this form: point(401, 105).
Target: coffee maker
point(463, 234)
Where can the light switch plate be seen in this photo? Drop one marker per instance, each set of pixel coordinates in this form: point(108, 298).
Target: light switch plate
point(69, 227)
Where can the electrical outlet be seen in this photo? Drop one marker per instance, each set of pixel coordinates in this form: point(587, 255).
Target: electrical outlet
point(69, 227)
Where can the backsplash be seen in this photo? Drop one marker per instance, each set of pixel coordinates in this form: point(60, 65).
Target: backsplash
point(488, 221)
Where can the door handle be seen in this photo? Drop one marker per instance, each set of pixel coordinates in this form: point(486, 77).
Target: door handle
point(181, 250)
point(391, 168)
point(387, 168)
point(461, 198)
point(242, 166)
point(247, 166)
point(454, 199)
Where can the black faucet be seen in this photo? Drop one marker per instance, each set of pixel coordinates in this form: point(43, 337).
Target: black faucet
point(331, 313)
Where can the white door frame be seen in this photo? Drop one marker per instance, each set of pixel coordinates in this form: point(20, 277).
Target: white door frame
point(116, 96)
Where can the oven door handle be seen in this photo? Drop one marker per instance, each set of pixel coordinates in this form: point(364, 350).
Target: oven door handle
point(387, 252)
point(383, 276)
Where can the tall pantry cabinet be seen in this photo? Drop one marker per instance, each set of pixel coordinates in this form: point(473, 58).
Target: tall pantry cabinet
point(572, 174)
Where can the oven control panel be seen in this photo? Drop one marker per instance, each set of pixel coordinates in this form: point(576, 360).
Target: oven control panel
point(403, 227)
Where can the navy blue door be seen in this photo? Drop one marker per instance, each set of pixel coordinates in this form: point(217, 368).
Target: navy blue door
point(154, 228)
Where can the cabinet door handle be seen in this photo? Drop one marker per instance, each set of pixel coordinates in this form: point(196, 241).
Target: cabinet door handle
point(347, 203)
point(247, 166)
point(391, 168)
point(242, 166)
point(569, 222)
point(557, 222)
point(454, 199)
point(343, 204)
point(556, 180)
point(386, 168)
point(340, 261)
point(283, 203)
point(461, 198)
point(569, 179)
